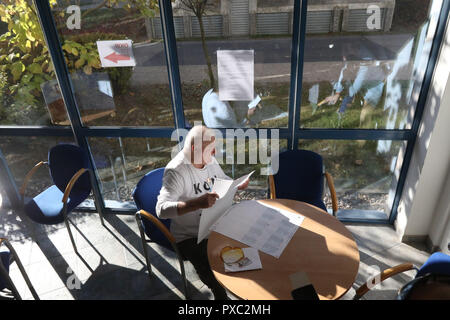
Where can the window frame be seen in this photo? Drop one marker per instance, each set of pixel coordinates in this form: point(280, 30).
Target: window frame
point(293, 133)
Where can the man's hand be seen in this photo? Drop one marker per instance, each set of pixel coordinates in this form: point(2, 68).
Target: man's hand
point(207, 200)
point(243, 185)
point(330, 100)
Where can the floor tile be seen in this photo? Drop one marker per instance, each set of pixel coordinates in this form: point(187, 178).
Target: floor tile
point(110, 263)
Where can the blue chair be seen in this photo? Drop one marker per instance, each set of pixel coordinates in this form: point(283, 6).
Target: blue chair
point(68, 166)
point(437, 268)
point(300, 177)
point(7, 256)
point(145, 196)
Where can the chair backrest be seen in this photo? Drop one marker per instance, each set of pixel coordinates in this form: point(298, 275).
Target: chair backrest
point(438, 263)
point(64, 161)
point(300, 176)
point(145, 196)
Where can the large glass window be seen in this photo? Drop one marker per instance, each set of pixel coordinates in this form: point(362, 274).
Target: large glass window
point(364, 65)
point(239, 157)
point(23, 153)
point(364, 174)
point(118, 68)
point(235, 61)
point(122, 162)
point(29, 93)
point(365, 68)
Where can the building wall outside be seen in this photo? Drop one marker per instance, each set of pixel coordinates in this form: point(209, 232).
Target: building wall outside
point(269, 17)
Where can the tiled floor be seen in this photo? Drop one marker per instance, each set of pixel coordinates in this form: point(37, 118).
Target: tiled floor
point(110, 264)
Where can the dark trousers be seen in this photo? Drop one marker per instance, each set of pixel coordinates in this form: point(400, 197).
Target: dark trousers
point(197, 255)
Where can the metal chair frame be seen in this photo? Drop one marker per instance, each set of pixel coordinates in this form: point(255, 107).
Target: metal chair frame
point(5, 274)
point(142, 214)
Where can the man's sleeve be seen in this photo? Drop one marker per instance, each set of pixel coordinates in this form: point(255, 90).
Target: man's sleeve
point(172, 189)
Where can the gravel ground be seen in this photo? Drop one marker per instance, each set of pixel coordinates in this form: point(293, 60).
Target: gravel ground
point(346, 200)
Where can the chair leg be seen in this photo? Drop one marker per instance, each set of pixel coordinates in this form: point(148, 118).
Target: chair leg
point(23, 272)
point(183, 274)
point(66, 222)
point(10, 285)
point(144, 244)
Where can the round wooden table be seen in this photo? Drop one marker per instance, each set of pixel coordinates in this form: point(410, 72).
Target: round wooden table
point(322, 247)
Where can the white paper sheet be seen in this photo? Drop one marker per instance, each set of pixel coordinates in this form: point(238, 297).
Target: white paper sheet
point(235, 70)
point(259, 226)
point(226, 189)
point(221, 187)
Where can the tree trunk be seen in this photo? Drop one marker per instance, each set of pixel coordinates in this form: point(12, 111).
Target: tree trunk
point(212, 80)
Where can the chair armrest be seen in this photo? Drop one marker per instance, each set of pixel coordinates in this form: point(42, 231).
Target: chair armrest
point(71, 183)
point(273, 194)
point(28, 177)
point(383, 276)
point(330, 184)
point(159, 225)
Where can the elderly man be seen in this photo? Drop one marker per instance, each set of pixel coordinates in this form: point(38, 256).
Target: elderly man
point(187, 185)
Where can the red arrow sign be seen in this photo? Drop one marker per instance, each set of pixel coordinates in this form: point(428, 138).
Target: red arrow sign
point(114, 57)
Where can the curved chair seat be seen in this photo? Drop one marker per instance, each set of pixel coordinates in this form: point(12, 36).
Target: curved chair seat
point(44, 209)
point(145, 196)
point(437, 265)
point(69, 169)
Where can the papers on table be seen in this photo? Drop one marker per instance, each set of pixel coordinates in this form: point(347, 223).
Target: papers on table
point(251, 261)
point(259, 226)
point(226, 189)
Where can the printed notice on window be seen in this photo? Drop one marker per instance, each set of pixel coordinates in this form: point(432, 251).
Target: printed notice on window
point(236, 74)
point(116, 53)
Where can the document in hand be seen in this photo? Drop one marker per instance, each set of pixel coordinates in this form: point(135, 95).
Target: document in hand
point(259, 226)
point(226, 189)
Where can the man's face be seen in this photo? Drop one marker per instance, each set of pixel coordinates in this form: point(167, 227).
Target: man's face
point(204, 154)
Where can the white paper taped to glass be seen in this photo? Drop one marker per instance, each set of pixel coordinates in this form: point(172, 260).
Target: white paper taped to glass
point(259, 226)
point(235, 70)
point(225, 189)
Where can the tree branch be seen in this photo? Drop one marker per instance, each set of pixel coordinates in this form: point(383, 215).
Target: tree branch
point(93, 9)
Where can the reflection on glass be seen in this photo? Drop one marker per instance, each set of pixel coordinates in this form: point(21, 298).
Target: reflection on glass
point(26, 98)
point(122, 162)
point(364, 172)
point(23, 153)
point(368, 72)
point(244, 157)
point(234, 59)
point(108, 90)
